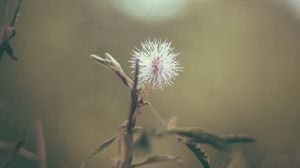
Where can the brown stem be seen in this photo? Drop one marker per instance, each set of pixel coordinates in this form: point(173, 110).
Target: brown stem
point(134, 103)
point(41, 144)
point(127, 135)
point(125, 79)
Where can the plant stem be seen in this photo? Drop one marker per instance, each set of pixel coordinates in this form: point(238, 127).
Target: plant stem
point(127, 136)
point(23, 152)
point(41, 144)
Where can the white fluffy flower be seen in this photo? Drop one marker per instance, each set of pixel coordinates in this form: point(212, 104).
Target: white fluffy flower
point(158, 64)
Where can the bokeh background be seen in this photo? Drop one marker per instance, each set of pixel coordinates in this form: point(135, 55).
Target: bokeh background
point(241, 63)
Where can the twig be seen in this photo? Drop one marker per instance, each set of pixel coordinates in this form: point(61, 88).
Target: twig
point(8, 31)
point(23, 152)
point(16, 14)
point(110, 63)
point(41, 144)
point(134, 101)
point(125, 79)
point(15, 152)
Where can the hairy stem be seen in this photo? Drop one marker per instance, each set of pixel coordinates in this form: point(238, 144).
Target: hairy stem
point(127, 135)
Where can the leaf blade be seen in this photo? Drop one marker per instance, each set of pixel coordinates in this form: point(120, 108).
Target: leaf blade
point(199, 153)
point(238, 138)
point(100, 149)
point(197, 135)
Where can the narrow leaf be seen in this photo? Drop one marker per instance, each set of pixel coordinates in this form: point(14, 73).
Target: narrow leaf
point(158, 158)
point(238, 138)
point(8, 49)
point(202, 137)
point(199, 153)
point(172, 123)
point(98, 150)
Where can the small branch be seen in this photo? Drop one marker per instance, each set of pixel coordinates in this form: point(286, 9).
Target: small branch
point(110, 63)
point(124, 78)
point(41, 144)
point(15, 152)
point(23, 152)
point(8, 31)
point(16, 14)
point(134, 106)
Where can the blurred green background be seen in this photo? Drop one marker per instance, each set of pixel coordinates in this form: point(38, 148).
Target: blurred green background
point(241, 63)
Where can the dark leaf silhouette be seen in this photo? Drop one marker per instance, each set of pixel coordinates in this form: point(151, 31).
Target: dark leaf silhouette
point(238, 138)
point(142, 143)
point(199, 153)
point(8, 49)
point(202, 137)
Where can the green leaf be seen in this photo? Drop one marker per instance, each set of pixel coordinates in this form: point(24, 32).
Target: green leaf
point(238, 138)
point(202, 137)
point(158, 158)
point(98, 150)
point(199, 153)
